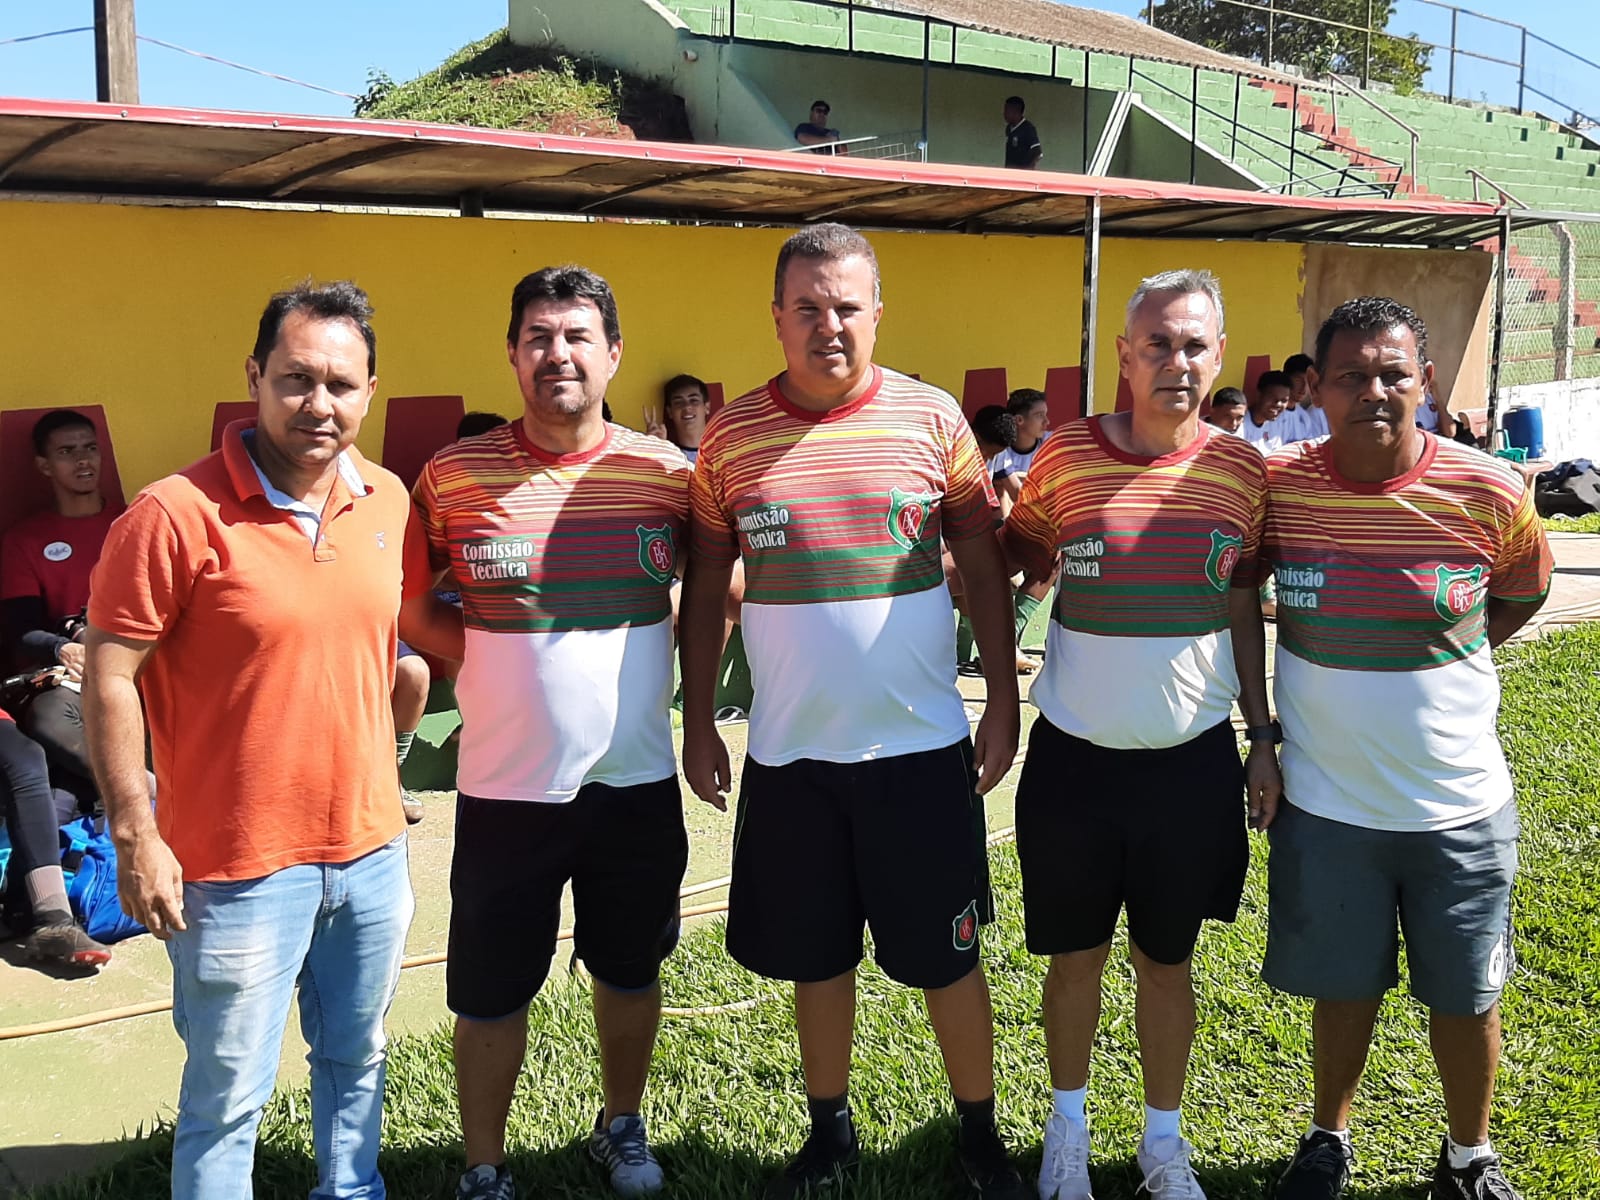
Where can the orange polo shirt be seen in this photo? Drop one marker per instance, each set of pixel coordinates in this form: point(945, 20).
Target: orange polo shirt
point(267, 693)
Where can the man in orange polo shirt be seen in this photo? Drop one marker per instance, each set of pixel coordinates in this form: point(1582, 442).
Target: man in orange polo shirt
point(253, 594)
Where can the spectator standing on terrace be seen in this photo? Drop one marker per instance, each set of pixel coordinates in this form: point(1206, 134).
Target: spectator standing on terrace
point(251, 601)
point(563, 533)
point(1402, 560)
point(1023, 150)
point(815, 131)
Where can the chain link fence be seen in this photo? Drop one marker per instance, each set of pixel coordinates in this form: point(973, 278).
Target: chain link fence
point(1550, 347)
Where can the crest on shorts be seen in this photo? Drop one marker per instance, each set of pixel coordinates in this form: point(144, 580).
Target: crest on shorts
point(1224, 557)
point(964, 929)
point(1455, 590)
point(656, 553)
point(908, 516)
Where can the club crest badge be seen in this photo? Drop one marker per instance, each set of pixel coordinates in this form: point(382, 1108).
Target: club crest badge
point(657, 555)
point(1456, 590)
point(964, 929)
point(908, 516)
point(1224, 557)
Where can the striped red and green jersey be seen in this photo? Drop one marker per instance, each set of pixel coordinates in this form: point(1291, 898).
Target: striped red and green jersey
point(1139, 653)
point(1384, 681)
point(839, 517)
point(564, 564)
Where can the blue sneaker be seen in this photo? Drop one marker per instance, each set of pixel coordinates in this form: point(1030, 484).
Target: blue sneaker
point(485, 1182)
point(623, 1149)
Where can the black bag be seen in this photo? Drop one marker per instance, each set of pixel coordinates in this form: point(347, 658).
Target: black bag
point(1572, 489)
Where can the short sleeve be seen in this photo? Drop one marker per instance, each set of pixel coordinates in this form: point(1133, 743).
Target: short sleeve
point(427, 552)
point(17, 578)
point(1032, 529)
point(1251, 570)
point(969, 508)
point(712, 535)
point(1521, 570)
point(145, 575)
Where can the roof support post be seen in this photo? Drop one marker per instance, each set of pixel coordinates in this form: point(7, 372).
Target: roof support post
point(1091, 297)
point(1499, 326)
point(116, 53)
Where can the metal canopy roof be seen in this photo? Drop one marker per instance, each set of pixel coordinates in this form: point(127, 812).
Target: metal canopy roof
point(53, 147)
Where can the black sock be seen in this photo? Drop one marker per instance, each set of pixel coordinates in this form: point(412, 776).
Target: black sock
point(976, 1120)
point(830, 1116)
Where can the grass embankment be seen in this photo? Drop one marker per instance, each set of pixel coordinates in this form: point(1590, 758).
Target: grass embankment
point(725, 1104)
point(1589, 523)
point(499, 85)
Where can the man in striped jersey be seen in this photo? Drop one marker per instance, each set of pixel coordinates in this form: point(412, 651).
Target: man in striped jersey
point(562, 532)
point(1401, 560)
point(1132, 793)
point(835, 483)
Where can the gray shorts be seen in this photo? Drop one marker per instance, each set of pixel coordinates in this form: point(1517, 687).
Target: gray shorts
point(1340, 896)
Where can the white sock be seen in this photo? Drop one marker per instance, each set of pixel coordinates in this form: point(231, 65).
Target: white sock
point(1160, 1123)
point(1072, 1104)
point(1342, 1134)
point(1462, 1156)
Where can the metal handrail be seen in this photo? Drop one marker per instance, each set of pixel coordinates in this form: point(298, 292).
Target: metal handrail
point(1504, 195)
point(1333, 168)
point(1371, 103)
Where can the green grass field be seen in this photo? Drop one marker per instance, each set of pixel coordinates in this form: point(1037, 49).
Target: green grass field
point(1584, 524)
point(725, 1100)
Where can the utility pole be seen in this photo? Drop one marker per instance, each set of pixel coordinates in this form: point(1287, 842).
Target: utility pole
point(116, 57)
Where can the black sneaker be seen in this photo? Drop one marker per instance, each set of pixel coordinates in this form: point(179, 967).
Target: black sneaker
point(1319, 1170)
point(484, 1182)
point(820, 1169)
point(988, 1167)
point(1480, 1179)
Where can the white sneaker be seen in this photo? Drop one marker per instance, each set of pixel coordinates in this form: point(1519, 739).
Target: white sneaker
point(1167, 1173)
point(1064, 1173)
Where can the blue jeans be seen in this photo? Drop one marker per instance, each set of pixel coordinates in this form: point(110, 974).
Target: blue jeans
point(338, 931)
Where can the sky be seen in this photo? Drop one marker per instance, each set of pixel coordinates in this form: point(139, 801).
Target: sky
point(335, 43)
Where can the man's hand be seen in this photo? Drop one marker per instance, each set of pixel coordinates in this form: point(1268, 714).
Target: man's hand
point(1263, 784)
point(71, 655)
point(994, 745)
point(655, 422)
point(706, 766)
point(150, 884)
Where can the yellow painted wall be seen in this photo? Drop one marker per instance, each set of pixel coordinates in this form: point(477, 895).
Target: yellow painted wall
point(150, 311)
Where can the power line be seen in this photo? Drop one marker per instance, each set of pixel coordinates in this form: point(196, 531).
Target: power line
point(241, 67)
point(34, 37)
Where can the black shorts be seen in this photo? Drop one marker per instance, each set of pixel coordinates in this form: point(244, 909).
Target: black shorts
point(822, 849)
point(1160, 831)
point(623, 848)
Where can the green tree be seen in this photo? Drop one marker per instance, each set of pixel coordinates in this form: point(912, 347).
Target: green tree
point(1308, 44)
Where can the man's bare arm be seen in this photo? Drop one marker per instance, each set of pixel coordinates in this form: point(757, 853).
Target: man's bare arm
point(428, 623)
point(1508, 616)
point(149, 879)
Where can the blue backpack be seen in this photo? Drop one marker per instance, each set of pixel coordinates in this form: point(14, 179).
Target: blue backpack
point(89, 860)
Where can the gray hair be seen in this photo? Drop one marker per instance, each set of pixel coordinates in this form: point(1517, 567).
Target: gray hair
point(1184, 282)
point(829, 242)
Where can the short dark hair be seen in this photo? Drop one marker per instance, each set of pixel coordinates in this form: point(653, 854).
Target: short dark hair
point(62, 418)
point(1023, 399)
point(1369, 314)
point(683, 381)
point(822, 104)
point(1014, 101)
point(339, 301)
point(1271, 379)
point(993, 424)
point(1297, 364)
point(1228, 398)
point(831, 242)
point(565, 284)
point(475, 423)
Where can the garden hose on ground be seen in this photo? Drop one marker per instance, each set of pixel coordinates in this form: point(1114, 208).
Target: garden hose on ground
point(127, 1012)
